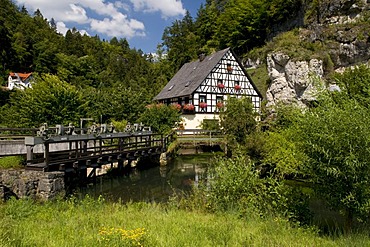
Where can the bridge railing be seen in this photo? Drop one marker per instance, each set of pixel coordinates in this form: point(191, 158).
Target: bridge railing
point(92, 148)
point(197, 136)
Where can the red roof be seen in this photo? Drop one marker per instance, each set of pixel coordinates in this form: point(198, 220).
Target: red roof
point(23, 76)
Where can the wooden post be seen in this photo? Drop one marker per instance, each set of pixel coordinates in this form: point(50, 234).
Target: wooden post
point(29, 153)
point(70, 146)
point(46, 154)
point(77, 149)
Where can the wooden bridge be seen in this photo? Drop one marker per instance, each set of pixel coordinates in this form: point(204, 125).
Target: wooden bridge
point(75, 153)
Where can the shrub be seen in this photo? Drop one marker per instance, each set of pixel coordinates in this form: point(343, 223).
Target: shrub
point(11, 162)
point(160, 117)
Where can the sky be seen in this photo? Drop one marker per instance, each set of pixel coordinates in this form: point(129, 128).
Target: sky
point(141, 22)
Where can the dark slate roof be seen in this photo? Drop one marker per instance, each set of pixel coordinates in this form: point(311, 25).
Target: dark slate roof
point(191, 74)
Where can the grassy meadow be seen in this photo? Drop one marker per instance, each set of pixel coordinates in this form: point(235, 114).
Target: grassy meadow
point(96, 222)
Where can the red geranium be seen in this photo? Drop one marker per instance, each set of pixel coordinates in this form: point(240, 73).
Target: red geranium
point(189, 107)
point(237, 87)
point(202, 105)
point(220, 105)
point(177, 106)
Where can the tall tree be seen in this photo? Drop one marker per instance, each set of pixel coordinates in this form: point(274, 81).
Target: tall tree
point(180, 41)
point(238, 120)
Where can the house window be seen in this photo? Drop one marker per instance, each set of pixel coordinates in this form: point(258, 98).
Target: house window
point(229, 68)
point(219, 102)
point(202, 103)
point(220, 84)
point(219, 99)
point(202, 98)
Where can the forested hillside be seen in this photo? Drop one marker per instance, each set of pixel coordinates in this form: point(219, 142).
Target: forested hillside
point(108, 79)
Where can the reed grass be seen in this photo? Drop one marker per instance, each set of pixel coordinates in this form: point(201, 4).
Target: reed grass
point(95, 222)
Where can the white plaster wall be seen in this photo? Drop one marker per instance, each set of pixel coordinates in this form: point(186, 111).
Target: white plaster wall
point(193, 121)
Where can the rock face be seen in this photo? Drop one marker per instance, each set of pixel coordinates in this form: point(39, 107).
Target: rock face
point(292, 81)
point(31, 184)
point(341, 28)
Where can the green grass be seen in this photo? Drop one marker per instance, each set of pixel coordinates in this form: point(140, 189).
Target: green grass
point(261, 78)
point(99, 223)
point(11, 162)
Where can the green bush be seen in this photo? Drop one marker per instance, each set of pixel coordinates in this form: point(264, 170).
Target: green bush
point(161, 118)
point(11, 162)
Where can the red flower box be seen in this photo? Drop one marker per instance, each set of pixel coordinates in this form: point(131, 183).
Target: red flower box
point(177, 106)
point(237, 87)
point(220, 86)
point(202, 105)
point(220, 105)
point(189, 107)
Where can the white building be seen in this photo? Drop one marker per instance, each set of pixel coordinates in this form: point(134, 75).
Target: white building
point(200, 87)
point(19, 80)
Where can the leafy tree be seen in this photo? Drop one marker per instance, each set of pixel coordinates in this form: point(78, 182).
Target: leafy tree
point(356, 84)
point(238, 120)
point(181, 42)
point(335, 138)
point(160, 117)
point(50, 100)
point(206, 26)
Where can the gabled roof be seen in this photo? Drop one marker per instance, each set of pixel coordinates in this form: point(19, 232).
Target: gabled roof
point(190, 76)
point(22, 76)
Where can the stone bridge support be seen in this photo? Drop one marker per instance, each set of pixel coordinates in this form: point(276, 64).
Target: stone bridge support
point(31, 184)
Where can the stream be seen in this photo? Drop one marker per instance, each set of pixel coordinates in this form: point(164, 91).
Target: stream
point(155, 184)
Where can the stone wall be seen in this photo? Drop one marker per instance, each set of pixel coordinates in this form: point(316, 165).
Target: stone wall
point(31, 184)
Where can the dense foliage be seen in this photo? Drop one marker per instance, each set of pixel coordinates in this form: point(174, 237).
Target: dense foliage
point(238, 120)
point(239, 24)
point(88, 77)
point(325, 147)
point(328, 146)
point(50, 100)
point(161, 117)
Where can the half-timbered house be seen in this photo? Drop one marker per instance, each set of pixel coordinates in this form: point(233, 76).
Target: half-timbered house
point(200, 87)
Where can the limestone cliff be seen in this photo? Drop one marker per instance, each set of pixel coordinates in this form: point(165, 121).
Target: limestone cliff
point(338, 32)
point(292, 81)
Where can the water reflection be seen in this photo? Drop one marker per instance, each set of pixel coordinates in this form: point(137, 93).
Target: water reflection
point(155, 184)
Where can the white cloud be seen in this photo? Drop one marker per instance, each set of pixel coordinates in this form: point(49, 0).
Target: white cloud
point(168, 8)
point(101, 16)
point(76, 14)
point(61, 27)
point(121, 5)
point(118, 26)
